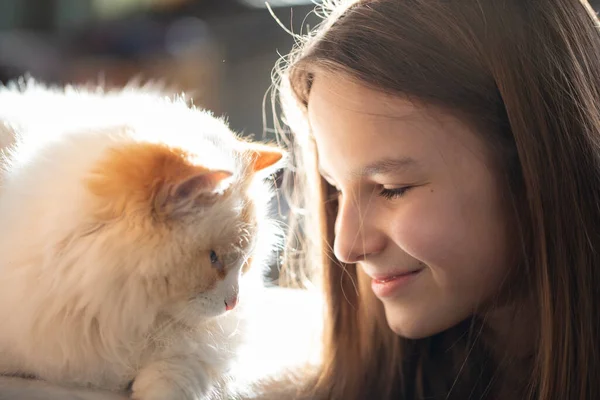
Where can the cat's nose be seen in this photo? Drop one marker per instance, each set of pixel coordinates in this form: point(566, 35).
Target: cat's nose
point(231, 303)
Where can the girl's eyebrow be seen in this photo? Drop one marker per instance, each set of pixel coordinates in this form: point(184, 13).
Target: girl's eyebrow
point(379, 167)
point(385, 166)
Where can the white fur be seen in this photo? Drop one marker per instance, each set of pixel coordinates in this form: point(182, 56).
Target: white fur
point(77, 315)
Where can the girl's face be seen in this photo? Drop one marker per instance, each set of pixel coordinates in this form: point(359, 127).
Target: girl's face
point(421, 209)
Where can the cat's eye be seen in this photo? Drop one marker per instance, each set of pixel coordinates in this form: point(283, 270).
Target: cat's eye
point(213, 257)
point(214, 260)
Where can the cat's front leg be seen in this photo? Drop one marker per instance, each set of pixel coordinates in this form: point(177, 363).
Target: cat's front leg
point(177, 378)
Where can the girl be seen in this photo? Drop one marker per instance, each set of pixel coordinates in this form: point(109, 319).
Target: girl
point(448, 160)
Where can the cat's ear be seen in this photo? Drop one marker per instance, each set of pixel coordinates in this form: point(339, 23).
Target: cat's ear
point(264, 158)
point(204, 183)
point(202, 188)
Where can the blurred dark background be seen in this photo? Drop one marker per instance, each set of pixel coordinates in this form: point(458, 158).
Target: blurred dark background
point(220, 51)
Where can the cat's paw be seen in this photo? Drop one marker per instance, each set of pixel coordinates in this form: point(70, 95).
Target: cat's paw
point(162, 381)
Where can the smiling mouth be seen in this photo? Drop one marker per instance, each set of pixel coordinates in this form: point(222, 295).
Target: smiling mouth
point(391, 285)
point(389, 278)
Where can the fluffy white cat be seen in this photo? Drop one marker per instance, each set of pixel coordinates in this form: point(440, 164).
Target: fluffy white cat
point(131, 224)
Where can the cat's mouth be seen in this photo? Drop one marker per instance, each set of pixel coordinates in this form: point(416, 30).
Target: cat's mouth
point(228, 304)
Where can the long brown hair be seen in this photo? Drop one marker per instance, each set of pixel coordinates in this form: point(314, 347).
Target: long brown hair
point(528, 73)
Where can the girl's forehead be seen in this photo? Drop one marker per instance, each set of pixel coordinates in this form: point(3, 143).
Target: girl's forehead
point(338, 103)
point(349, 95)
point(351, 138)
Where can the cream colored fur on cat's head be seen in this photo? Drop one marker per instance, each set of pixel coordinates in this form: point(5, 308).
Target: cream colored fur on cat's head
point(109, 213)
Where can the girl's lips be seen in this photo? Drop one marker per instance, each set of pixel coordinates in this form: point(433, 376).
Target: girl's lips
point(387, 286)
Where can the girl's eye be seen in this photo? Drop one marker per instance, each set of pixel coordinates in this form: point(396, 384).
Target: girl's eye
point(214, 260)
point(391, 194)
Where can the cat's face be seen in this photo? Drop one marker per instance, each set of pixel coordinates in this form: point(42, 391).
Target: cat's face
point(181, 234)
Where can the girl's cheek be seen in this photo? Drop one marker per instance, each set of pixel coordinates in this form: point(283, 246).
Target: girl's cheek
point(429, 232)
